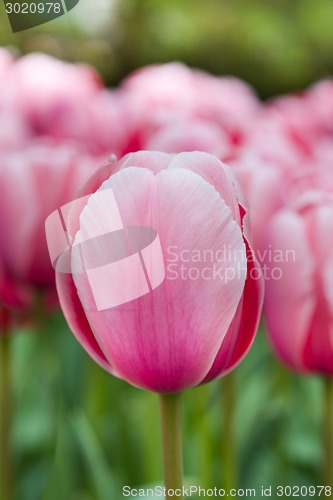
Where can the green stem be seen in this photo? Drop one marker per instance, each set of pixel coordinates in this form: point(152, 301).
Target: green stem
point(170, 405)
point(150, 433)
point(228, 437)
point(328, 431)
point(6, 480)
point(207, 443)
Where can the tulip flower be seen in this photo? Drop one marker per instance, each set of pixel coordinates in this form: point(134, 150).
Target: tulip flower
point(264, 184)
point(99, 123)
point(160, 95)
point(46, 91)
point(197, 135)
point(298, 302)
point(34, 180)
point(6, 61)
point(26, 176)
point(198, 318)
point(298, 310)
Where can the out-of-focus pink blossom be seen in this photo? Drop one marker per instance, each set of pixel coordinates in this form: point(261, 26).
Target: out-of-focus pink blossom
point(197, 135)
point(34, 180)
point(320, 97)
point(45, 90)
point(14, 130)
point(299, 298)
point(6, 61)
point(161, 95)
point(100, 124)
point(273, 173)
point(268, 137)
point(264, 185)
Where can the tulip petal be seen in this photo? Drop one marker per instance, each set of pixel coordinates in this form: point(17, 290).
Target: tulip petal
point(213, 171)
point(77, 320)
point(318, 352)
point(145, 159)
point(107, 169)
point(290, 294)
point(243, 328)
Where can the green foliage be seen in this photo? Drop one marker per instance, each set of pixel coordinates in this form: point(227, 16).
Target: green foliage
point(277, 46)
point(81, 434)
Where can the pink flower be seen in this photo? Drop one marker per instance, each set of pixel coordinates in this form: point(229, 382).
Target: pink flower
point(320, 97)
point(201, 320)
point(6, 61)
point(33, 181)
point(161, 95)
point(300, 118)
point(13, 295)
point(14, 130)
point(196, 135)
point(264, 184)
point(100, 123)
point(281, 158)
point(299, 298)
point(43, 96)
point(45, 90)
point(269, 138)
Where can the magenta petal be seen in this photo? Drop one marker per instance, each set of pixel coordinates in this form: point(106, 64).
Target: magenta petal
point(77, 320)
point(213, 171)
point(104, 172)
point(243, 328)
point(318, 352)
point(146, 159)
point(290, 297)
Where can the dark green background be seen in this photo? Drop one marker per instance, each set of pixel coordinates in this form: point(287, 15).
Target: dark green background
point(277, 46)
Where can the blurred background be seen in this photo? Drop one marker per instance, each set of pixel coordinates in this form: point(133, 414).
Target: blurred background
point(80, 434)
point(276, 47)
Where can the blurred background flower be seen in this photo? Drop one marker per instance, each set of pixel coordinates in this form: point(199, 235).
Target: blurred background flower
point(276, 48)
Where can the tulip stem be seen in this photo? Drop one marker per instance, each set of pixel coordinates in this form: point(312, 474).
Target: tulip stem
point(6, 484)
point(328, 431)
point(228, 437)
point(170, 406)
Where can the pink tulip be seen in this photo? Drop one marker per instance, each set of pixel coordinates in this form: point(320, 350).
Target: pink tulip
point(281, 159)
point(264, 184)
point(161, 95)
point(185, 331)
point(197, 135)
point(300, 118)
point(299, 299)
point(45, 90)
point(13, 295)
point(100, 123)
point(6, 61)
point(33, 182)
point(14, 130)
point(320, 97)
point(268, 137)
